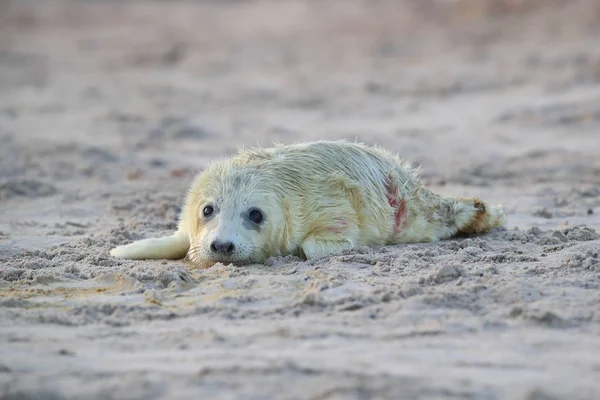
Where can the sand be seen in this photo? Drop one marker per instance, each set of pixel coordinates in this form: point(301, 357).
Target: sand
point(108, 109)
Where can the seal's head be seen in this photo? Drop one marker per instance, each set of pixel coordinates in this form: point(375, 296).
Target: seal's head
point(234, 216)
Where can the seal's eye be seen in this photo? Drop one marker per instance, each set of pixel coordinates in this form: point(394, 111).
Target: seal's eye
point(208, 210)
point(256, 216)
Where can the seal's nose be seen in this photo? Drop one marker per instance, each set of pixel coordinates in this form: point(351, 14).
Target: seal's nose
point(226, 248)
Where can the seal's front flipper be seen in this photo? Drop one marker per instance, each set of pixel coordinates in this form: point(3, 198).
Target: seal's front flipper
point(317, 248)
point(169, 247)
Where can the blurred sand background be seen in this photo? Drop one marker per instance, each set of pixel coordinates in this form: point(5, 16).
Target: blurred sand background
point(108, 109)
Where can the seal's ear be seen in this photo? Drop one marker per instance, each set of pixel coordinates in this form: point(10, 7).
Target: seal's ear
point(171, 247)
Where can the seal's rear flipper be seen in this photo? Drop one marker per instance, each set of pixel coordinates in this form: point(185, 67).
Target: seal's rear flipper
point(475, 216)
point(169, 247)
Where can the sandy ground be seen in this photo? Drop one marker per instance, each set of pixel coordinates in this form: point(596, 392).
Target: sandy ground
point(108, 108)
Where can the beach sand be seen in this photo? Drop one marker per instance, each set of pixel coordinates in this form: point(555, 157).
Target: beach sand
point(109, 108)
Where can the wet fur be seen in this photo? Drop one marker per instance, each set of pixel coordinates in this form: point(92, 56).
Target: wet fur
point(320, 198)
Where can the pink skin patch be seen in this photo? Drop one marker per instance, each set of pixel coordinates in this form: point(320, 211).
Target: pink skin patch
point(399, 205)
point(340, 226)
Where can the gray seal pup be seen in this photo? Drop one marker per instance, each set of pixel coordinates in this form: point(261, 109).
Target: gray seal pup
point(310, 200)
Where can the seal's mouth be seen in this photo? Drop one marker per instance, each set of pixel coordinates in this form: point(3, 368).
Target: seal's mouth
point(203, 259)
point(209, 262)
point(223, 260)
point(231, 260)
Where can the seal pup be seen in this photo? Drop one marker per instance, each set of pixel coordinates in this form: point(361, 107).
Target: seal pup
point(310, 200)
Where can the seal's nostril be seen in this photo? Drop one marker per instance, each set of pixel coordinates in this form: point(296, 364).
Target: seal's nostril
point(222, 247)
